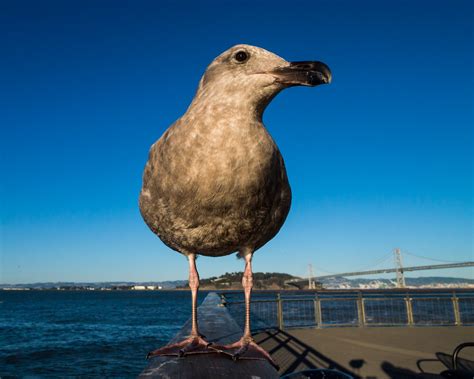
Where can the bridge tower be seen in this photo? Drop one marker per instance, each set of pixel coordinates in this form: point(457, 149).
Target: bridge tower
point(311, 283)
point(397, 255)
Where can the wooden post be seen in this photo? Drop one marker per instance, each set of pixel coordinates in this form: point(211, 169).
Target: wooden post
point(280, 312)
point(317, 311)
point(223, 300)
point(216, 323)
point(360, 309)
point(457, 314)
point(409, 306)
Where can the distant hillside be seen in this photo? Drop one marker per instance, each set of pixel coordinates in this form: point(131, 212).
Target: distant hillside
point(261, 280)
point(233, 280)
point(169, 284)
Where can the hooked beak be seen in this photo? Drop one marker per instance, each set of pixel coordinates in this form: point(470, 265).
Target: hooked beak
point(308, 73)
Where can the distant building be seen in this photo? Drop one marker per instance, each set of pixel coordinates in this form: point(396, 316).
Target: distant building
point(149, 288)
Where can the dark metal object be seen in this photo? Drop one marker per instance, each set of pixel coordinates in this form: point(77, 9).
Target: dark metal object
point(458, 350)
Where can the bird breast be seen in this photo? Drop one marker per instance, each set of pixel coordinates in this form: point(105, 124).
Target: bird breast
point(215, 164)
point(204, 184)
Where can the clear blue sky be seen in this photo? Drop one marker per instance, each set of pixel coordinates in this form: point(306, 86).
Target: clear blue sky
point(381, 158)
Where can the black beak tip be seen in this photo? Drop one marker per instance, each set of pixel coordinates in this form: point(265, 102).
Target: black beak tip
point(316, 78)
point(310, 73)
point(319, 73)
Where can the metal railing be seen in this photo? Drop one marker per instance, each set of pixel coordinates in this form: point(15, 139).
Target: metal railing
point(321, 309)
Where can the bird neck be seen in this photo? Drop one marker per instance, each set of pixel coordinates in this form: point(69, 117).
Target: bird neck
point(229, 104)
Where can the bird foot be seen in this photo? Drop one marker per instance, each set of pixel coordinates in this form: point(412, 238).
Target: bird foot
point(245, 348)
point(191, 345)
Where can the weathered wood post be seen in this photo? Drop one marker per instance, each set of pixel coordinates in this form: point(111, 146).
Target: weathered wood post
point(457, 314)
point(360, 309)
point(317, 311)
point(409, 306)
point(281, 325)
point(223, 299)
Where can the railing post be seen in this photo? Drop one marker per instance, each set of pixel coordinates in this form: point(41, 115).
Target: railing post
point(409, 306)
point(457, 314)
point(360, 309)
point(223, 300)
point(280, 312)
point(317, 311)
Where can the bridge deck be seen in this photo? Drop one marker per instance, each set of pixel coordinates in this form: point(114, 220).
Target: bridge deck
point(397, 352)
point(297, 282)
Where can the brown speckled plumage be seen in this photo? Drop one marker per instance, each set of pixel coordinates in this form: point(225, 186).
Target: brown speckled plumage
point(215, 182)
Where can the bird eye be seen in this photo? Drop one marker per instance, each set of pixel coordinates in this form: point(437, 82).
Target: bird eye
point(241, 56)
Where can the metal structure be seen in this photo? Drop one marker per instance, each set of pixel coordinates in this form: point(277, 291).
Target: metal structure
point(397, 255)
point(311, 283)
point(302, 282)
point(324, 309)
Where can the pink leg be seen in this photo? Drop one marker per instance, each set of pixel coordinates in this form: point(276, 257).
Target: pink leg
point(194, 285)
point(247, 283)
point(195, 343)
point(246, 347)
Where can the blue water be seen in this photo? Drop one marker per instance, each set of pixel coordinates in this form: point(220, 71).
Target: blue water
point(86, 333)
point(109, 333)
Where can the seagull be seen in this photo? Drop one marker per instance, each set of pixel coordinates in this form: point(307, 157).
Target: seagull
point(215, 182)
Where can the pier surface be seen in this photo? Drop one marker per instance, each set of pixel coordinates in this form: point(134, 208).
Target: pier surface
point(364, 352)
point(370, 352)
point(218, 326)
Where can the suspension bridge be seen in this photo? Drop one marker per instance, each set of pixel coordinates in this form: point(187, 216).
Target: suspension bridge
point(399, 270)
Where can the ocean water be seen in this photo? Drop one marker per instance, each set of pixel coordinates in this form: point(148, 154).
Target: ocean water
point(86, 333)
point(108, 333)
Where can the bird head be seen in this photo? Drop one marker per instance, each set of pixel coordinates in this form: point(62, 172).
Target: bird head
point(252, 74)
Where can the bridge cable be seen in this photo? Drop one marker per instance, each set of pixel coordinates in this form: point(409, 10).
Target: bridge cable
point(379, 261)
point(430, 259)
point(376, 263)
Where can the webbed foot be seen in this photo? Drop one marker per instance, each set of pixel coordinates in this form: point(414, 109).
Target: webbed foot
point(245, 348)
point(191, 345)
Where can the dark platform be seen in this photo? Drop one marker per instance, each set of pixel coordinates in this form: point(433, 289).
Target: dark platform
point(218, 326)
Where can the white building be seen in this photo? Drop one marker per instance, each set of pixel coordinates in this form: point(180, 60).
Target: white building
point(139, 288)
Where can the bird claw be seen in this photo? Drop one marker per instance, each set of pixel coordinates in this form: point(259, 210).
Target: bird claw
point(191, 345)
point(245, 349)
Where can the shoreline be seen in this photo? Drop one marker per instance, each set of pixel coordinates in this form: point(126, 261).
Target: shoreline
point(238, 290)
